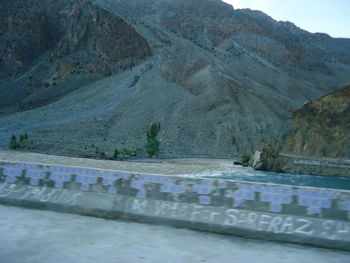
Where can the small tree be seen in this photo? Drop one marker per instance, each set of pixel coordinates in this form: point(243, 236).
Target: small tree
point(13, 143)
point(152, 145)
point(116, 153)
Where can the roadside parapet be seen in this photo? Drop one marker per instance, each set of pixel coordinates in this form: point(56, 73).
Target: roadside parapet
point(307, 215)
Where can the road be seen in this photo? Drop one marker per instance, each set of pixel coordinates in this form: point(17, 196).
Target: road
point(34, 236)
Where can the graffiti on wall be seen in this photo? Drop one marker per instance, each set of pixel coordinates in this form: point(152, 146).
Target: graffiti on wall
point(315, 201)
point(42, 194)
point(244, 219)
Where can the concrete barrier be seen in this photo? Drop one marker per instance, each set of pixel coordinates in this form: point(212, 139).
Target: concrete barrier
point(305, 215)
point(316, 166)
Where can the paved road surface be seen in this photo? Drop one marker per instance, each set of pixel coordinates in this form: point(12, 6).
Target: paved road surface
point(34, 236)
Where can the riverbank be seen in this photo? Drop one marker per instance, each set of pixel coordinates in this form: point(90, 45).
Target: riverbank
point(180, 166)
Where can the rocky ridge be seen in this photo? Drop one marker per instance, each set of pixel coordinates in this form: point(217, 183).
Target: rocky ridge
point(319, 142)
point(322, 127)
point(50, 47)
point(219, 27)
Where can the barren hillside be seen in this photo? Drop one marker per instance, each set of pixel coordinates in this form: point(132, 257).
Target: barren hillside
point(221, 82)
point(322, 127)
point(49, 48)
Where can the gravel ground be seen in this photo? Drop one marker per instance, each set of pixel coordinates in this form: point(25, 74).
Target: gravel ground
point(33, 236)
point(93, 101)
point(189, 166)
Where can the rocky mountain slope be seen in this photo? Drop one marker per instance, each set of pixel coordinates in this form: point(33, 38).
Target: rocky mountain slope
point(221, 82)
point(50, 47)
point(322, 127)
point(215, 25)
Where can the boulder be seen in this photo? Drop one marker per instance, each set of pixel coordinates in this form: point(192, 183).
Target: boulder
point(268, 159)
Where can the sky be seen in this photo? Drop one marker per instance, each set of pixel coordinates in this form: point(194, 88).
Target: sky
point(326, 16)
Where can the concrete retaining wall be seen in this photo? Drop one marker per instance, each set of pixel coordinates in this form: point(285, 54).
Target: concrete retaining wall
point(322, 166)
point(278, 212)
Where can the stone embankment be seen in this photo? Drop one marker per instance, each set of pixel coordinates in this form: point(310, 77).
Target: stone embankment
point(315, 166)
point(271, 159)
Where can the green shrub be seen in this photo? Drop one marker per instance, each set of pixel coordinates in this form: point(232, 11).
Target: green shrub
point(116, 153)
point(23, 137)
point(127, 152)
point(13, 143)
point(246, 158)
point(152, 145)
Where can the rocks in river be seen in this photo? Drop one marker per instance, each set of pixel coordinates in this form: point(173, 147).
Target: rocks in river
point(268, 159)
point(256, 158)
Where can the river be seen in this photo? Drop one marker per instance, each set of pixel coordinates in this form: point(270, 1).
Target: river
point(342, 183)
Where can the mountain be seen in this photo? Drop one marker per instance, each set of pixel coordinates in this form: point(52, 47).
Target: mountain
point(221, 82)
point(49, 48)
point(215, 25)
point(322, 127)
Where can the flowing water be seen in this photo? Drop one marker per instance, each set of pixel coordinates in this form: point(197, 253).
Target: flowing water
point(342, 183)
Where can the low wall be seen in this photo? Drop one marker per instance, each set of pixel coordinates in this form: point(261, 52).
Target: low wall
point(322, 166)
point(277, 212)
